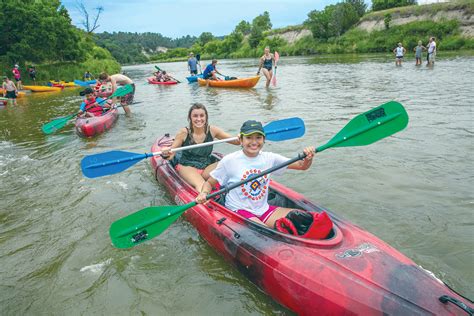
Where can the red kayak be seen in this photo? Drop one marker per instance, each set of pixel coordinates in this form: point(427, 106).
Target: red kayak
point(93, 126)
point(350, 273)
point(152, 80)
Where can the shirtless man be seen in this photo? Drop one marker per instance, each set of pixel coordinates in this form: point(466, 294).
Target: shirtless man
point(120, 80)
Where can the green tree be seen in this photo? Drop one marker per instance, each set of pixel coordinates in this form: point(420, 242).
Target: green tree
point(243, 27)
point(333, 21)
point(205, 38)
point(359, 6)
point(39, 31)
point(260, 24)
point(378, 5)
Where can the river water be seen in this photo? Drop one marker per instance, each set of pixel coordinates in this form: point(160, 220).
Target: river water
point(413, 190)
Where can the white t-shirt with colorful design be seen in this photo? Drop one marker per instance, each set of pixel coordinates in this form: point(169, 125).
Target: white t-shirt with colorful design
point(251, 196)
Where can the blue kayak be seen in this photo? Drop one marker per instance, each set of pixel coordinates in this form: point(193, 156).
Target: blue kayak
point(86, 83)
point(194, 78)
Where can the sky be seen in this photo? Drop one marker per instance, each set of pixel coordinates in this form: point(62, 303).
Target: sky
point(176, 18)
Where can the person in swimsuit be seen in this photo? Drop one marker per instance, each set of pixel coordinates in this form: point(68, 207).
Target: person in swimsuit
point(9, 90)
point(267, 62)
point(122, 80)
point(196, 164)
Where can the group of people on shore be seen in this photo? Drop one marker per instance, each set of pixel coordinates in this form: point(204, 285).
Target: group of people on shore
point(400, 51)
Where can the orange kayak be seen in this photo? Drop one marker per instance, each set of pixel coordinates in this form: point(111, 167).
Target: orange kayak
point(42, 88)
point(236, 83)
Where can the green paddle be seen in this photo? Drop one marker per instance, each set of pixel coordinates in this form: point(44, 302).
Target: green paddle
point(59, 123)
point(364, 129)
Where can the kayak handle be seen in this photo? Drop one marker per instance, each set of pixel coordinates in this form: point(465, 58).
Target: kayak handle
point(221, 222)
point(445, 299)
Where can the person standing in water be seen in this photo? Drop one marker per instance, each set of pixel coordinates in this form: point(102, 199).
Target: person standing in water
point(431, 52)
point(267, 62)
point(399, 52)
point(120, 80)
point(9, 90)
point(418, 53)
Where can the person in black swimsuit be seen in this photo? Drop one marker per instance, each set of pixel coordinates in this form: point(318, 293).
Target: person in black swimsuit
point(267, 62)
point(196, 164)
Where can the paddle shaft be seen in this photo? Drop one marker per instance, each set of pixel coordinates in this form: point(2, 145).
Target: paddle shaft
point(148, 155)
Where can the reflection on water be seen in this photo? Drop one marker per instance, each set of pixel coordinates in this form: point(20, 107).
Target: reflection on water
point(414, 190)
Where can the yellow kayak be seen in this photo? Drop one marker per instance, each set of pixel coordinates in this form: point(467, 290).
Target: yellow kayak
point(236, 83)
point(42, 88)
point(63, 83)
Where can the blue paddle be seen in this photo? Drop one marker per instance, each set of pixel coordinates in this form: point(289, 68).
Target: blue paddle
point(112, 162)
point(85, 83)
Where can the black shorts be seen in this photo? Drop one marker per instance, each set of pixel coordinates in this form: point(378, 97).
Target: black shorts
point(11, 95)
point(194, 72)
point(209, 75)
point(18, 79)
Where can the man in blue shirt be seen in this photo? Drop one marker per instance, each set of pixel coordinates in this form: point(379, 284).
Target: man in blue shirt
point(192, 64)
point(210, 71)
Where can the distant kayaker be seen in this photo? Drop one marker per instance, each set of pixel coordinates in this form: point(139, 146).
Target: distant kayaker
point(17, 76)
point(267, 62)
point(192, 64)
point(91, 107)
point(10, 90)
point(194, 165)
point(120, 80)
point(87, 76)
point(251, 199)
point(211, 70)
point(418, 53)
point(399, 51)
point(165, 77)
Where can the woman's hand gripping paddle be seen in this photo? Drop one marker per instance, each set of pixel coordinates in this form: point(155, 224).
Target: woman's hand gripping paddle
point(116, 161)
point(59, 123)
point(364, 129)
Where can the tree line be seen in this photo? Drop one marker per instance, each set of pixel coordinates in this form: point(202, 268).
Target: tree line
point(41, 32)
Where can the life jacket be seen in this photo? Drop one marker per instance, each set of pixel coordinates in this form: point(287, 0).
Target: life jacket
point(304, 224)
point(97, 110)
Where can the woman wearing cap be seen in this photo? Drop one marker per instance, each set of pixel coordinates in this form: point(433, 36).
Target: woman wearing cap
point(9, 89)
point(251, 199)
point(195, 164)
point(92, 106)
point(267, 61)
point(17, 76)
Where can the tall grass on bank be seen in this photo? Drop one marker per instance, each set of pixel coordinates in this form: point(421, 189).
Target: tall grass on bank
point(67, 71)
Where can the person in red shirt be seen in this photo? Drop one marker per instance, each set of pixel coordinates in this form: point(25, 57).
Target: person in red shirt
point(17, 75)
